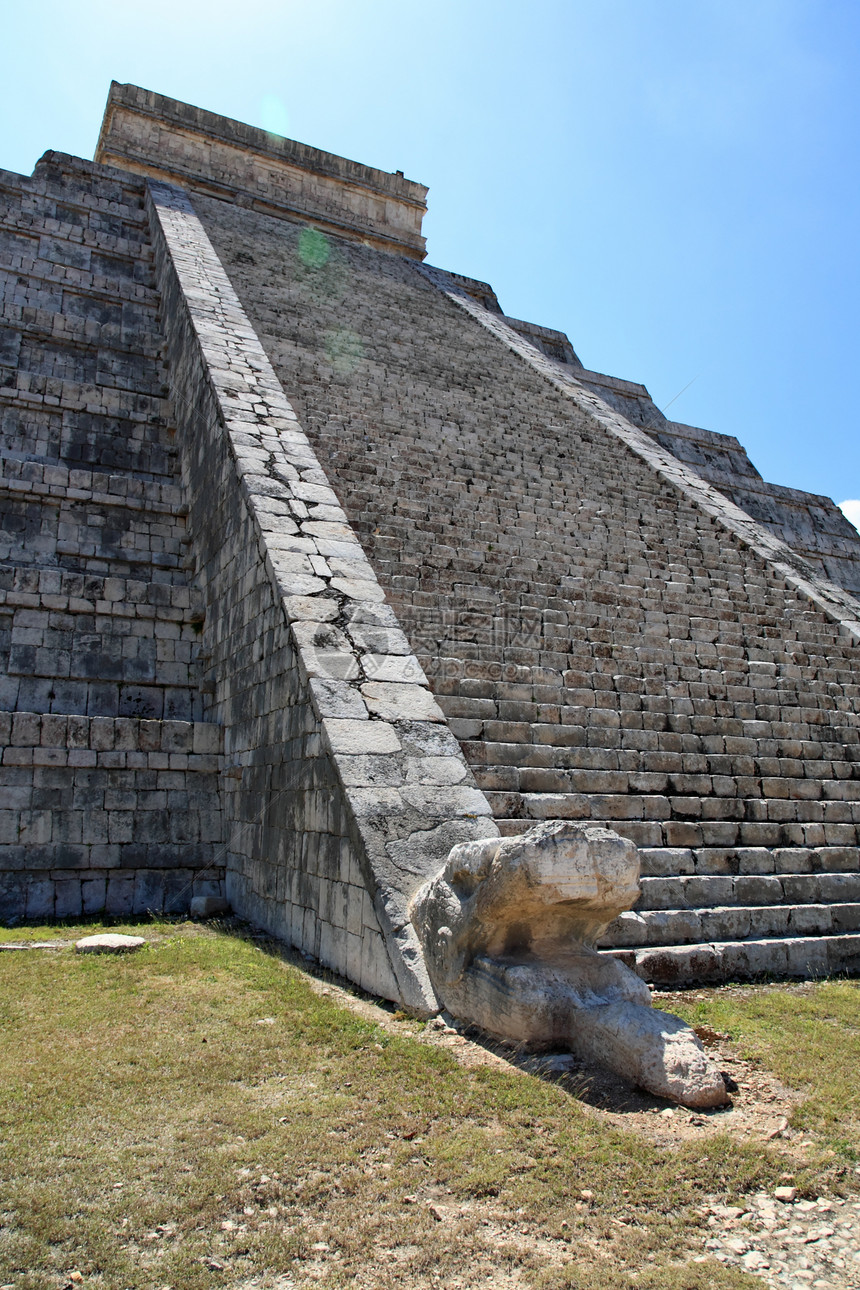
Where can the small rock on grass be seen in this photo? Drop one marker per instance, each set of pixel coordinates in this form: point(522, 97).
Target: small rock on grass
point(109, 943)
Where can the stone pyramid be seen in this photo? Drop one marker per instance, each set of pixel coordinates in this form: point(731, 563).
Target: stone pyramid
point(314, 564)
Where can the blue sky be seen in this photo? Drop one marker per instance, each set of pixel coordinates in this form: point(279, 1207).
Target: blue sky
point(674, 184)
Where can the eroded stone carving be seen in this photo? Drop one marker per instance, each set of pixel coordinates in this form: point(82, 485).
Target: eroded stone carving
point(508, 928)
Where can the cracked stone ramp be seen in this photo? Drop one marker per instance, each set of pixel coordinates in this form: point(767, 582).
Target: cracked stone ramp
point(349, 788)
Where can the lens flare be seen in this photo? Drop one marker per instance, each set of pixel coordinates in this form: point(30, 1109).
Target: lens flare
point(314, 248)
point(344, 350)
point(273, 115)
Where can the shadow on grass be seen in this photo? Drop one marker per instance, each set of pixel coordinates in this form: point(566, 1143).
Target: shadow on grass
point(588, 1083)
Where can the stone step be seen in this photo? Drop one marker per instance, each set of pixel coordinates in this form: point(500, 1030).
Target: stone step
point(32, 392)
point(51, 588)
point(81, 268)
point(662, 754)
point(39, 527)
point(671, 817)
point(104, 326)
point(99, 549)
point(100, 698)
point(546, 769)
point(710, 891)
point(125, 235)
point(43, 301)
point(480, 655)
point(67, 614)
point(559, 693)
point(794, 956)
point(729, 922)
point(815, 856)
point(567, 728)
point(547, 793)
point(651, 835)
point(91, 739)
point(145, 656)
point(32, 218)
point(60, 480)
point(490, 671)
point(92, 440)
point(87, 363)
point(59, 185)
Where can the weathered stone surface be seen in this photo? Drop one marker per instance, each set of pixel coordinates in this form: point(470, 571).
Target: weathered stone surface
point(109, 943)
point(244, 163)
point(450, 529)
point(109, 764)
point(208, 906)
point(508, 929)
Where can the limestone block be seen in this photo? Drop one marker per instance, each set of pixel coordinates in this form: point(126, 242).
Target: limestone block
point(355, 737)
point(626, 930)
point(358, 589)
point(397, 702)
point(368, 771)
point(398, 668)
point(319, 609)
point(436, 770)
point(68, 898)
point(446, 801)
point(337, 699)
point(40, 899)
point(379, 638)
point(120, 894)
point(508, 928)
point(329, 664)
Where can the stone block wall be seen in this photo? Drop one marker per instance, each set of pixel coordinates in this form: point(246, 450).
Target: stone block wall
point(107, 814)
point(810, 524)
point(109, 774)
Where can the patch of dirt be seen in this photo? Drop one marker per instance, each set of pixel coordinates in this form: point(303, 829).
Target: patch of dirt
point(760, 1105)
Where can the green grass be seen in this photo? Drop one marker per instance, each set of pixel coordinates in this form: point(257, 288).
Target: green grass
point(809, 1036)
point(153, 1133)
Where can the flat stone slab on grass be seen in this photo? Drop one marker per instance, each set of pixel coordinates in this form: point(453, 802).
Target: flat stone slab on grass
point(33, 945)
point(109, 943)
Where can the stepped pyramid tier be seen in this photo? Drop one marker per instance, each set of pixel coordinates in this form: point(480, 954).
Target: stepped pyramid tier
point(399, 569)
point(109, 793)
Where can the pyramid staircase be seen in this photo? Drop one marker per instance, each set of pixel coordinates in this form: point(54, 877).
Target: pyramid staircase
point(602, 647)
